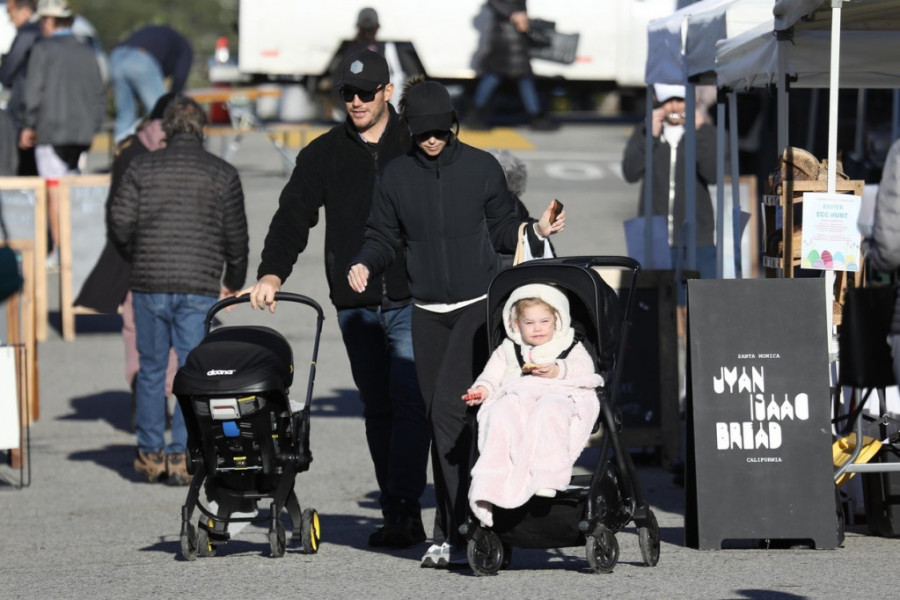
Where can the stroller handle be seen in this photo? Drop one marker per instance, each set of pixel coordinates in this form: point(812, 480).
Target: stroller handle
point(625, 262)
point(289, 296)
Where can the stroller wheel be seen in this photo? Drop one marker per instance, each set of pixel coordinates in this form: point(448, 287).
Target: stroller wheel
point(648, 538)
point(602, 550)
point(310, 531)
point(188, 542)
point(277, 539)
point(204, 546)
point(507, 555)
point(485, 553)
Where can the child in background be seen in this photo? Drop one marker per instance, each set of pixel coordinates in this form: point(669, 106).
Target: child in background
point(538, 404)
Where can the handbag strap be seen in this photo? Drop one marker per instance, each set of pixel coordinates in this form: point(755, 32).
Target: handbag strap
point(519, 256)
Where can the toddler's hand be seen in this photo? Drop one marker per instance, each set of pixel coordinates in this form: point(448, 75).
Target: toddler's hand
point(475, 395)
point(549, 371)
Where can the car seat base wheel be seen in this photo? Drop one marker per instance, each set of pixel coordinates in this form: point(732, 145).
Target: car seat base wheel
point(310, 530)
point(602, 550)
point(648, 538)
point(277, 539)
point(485, 553)
point(188, 542)
point(205, 547)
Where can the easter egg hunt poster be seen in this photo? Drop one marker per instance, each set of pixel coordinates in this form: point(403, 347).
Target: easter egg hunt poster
point(830, 240)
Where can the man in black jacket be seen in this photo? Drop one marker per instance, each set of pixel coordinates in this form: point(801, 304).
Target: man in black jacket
point(178, 218)
point(337, 171)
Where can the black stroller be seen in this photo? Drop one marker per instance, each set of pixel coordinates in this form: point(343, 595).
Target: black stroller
point(246, 439)
point(595, 506)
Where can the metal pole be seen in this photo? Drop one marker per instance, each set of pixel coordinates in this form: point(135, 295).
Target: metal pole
point(736, 185)
point(690, 177)
point(648, 182)
point(720, 189)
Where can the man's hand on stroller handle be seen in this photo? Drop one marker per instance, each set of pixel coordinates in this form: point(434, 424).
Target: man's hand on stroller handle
point(358, 277)
point(475, 395)
point(262, 293)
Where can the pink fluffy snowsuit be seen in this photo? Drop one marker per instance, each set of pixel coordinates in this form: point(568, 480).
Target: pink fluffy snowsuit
point(532, 429)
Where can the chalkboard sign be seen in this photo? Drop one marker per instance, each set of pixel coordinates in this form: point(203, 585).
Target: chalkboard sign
point(23, 202)
point(648, 394)
point(82, 233)
point(760, 432)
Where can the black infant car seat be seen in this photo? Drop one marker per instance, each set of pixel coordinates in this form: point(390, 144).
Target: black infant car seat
point(247, 440)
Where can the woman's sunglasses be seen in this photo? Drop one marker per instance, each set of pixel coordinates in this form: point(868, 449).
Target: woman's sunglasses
point(364, 96)
point(434, 133)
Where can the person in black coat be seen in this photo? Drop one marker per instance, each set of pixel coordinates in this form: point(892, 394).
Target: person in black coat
point(508, 58)
point(668, 194)
point(337, 172)
point(178, 217)
point(444, 205)
point(106, 288)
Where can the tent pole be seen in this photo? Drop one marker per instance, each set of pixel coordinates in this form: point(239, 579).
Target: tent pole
point(690, 177)
point(648, 181)
point(812, 120)
point(859, 150)
point(833, 88)
point(736, 185)
point(895, 121)
point(720, 189)
point(782, 102)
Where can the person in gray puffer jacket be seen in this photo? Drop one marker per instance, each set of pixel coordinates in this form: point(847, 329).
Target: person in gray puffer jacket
point(178, 217)
point(883, 247)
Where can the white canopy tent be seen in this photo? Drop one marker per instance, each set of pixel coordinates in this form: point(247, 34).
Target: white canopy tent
point(682, 51)
point(816, 43)
point(682, 45)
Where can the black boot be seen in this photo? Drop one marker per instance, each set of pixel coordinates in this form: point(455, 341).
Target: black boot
point(540, 122)
point(475, 120)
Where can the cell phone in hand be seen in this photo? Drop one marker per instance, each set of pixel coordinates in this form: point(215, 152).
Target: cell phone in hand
point(555, 210)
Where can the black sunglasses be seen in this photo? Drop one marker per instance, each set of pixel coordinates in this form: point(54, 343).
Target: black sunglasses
point(364, 96)
point(437, 134)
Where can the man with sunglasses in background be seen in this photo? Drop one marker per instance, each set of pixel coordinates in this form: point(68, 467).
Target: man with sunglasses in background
point(337, 171)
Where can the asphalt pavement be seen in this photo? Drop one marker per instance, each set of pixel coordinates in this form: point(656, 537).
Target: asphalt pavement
point(87, 527)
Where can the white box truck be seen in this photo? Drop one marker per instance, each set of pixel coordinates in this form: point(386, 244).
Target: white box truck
point(294, 39)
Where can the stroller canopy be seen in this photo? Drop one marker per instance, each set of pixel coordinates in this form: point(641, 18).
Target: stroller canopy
point(592, 302)
point(237, 360)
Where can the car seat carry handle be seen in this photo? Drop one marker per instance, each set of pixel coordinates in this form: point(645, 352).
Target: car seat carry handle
point(290, 297)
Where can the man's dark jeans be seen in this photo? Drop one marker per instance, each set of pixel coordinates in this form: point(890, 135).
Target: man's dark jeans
point(379, 345)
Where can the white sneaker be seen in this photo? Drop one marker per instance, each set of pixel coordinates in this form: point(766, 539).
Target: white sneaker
point(436, 557)
point(443, 556)
point(546, 493)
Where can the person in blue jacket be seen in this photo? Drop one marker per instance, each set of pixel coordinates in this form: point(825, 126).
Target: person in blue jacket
point(138, 68)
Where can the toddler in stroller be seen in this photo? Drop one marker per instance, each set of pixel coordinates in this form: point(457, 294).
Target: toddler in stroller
point(538, 404)
point(247, 440)
point(522, 490)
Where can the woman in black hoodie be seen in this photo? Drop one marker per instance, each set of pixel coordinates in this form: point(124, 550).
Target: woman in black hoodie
point(445, 206)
